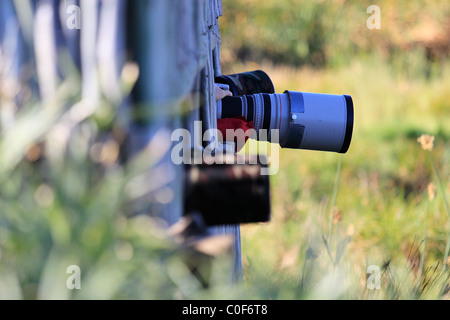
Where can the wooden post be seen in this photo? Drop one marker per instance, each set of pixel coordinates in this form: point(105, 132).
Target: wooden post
point(177, 45)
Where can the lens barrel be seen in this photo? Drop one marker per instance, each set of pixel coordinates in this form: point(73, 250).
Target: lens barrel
point(303, 120)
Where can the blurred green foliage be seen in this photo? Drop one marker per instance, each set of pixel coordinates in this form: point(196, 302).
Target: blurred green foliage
point(65, 193)
point(399, 79)
point(67, 198)
point(333, 33)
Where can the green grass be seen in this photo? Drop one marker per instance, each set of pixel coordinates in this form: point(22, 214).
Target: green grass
point(380, 189)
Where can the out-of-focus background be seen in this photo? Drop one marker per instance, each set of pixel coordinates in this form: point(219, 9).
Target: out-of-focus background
point(379, 204)
point(371, 224)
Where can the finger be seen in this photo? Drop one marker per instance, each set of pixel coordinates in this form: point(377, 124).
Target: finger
point(220, 93)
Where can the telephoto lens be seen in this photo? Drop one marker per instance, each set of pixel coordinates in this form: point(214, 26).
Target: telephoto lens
point(301, 120)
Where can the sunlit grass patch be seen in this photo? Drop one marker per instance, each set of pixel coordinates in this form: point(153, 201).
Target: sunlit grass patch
point(382, 196)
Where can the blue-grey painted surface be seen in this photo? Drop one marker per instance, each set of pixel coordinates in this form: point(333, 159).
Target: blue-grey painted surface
point(176, 44)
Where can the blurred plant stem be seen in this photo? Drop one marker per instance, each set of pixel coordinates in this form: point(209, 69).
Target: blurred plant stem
point(423, 251)
point(444, 199)
point(334, 197)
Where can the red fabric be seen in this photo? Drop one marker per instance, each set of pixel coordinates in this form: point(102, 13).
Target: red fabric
point(233, 124)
